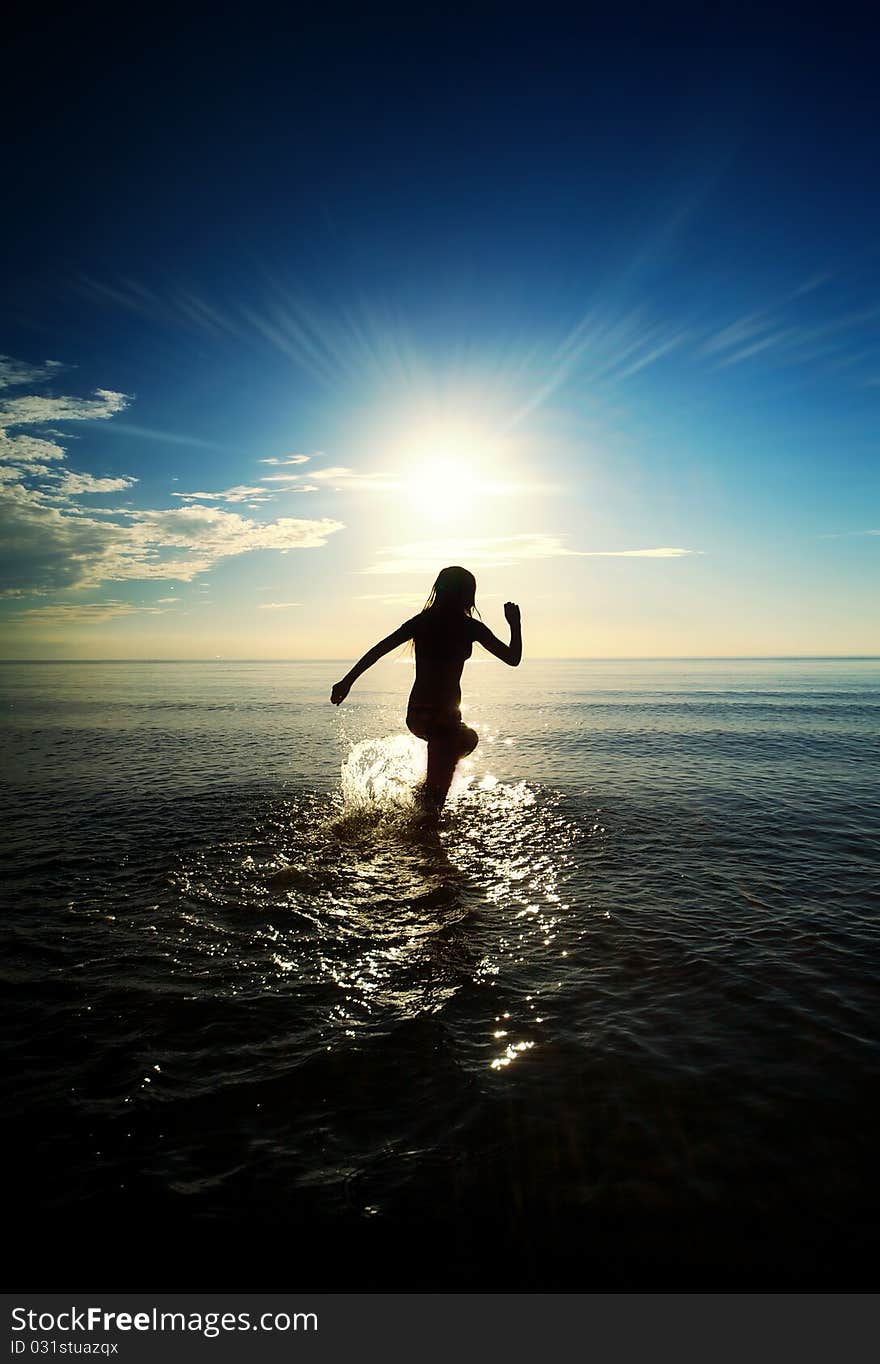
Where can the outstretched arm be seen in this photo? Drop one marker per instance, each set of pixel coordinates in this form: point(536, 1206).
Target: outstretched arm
point(341, 689)
point(508, 653)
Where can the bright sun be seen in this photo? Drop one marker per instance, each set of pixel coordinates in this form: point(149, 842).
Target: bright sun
point(448, 475)
point(442, 489)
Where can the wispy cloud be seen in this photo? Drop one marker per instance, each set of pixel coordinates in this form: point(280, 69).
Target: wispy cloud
point(83, 613)
point(287, 459)
point(784, 332)
point(340, 478)
point(418, 483)
point(13, 372)
point(848, 534)
point(365, 344)
point(500, 552)
point(737, 334)
point(665, 552)
point(328, 349)
point(292, 481)
point(175, 307)
point(169, 437)
point(277, 605)
point(241, 493)
point(606, 348)
point(337, 478)
point(603, 349)
point(388, 598)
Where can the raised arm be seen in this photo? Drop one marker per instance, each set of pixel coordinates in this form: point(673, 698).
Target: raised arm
point(341, 689)
point(508, 653)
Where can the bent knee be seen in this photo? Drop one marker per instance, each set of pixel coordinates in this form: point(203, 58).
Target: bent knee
point(469, 740)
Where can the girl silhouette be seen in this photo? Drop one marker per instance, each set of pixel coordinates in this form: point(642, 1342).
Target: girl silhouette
point(443, 634)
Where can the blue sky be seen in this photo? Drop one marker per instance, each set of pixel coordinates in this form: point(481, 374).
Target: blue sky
point(300, 311)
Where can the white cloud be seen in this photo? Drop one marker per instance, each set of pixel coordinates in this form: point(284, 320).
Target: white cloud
point(182, 542)
point(26, 455)
point(45, 548)
point(13, 473)
point(34, 410)
point(277, 605)
point(73, 485)
point(48, 543)
point(26, 450)
point(287, 459)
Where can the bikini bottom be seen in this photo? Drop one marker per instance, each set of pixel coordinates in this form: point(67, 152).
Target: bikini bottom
point(434, 722)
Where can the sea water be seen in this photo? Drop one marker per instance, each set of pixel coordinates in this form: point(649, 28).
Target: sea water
point(612, 1023)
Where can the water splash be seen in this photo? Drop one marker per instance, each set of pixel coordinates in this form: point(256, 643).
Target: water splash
point(383, 774)
point(382, 777)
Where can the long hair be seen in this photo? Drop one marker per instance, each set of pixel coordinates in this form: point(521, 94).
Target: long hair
point(454, 590)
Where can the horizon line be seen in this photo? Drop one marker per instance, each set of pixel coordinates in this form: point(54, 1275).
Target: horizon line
point(536, 658)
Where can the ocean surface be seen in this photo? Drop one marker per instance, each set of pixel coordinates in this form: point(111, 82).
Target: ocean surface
point(613, 1024)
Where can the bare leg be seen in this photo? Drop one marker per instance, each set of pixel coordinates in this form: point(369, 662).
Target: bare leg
point(442, 759)
point(444, 751)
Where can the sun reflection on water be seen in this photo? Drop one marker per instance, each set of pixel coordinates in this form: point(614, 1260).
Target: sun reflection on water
point(372, 915)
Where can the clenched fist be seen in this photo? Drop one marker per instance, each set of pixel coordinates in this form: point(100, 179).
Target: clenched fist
point(511, 613)
point(339, 692)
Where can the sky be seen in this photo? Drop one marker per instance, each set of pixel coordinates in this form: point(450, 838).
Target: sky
point(299, 310)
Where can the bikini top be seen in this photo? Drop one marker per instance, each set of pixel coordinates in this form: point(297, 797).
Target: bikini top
point(442, 636)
